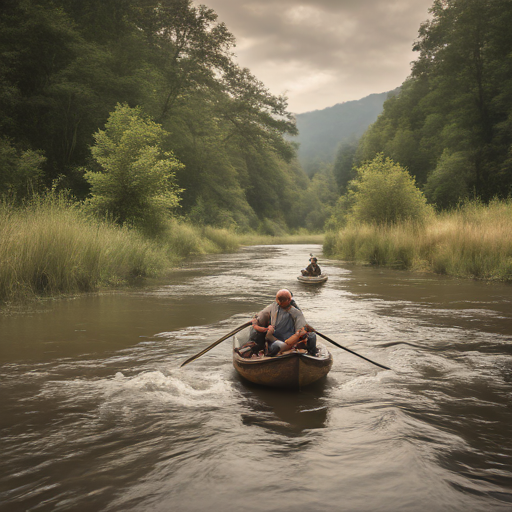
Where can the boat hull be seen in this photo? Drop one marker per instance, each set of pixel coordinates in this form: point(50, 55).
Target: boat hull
point(293, 370)
point(312, 279)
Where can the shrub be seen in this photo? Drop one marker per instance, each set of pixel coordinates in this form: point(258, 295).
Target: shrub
point(385, 193)
point(51, 246)
point(473, 240)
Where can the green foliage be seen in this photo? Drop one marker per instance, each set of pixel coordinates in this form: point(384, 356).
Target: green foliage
point(344, 165)
point(376, 245)
point(451, 180)
point(320, 199)
point(20, 171)
point(450, 125)
point(271, 228)
point(182, 239)
point(52, 246)
point(61, 86)
point(340, 213)
point(385, 193)
point(136, 184)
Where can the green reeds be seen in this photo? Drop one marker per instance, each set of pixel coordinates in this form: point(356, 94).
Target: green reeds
point(183, 239)
point(299, 238)
point(474, 240)
point(51, 246)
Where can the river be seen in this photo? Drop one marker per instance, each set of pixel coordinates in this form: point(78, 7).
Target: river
point(97, 415)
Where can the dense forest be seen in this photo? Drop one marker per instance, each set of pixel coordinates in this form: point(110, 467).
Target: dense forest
point(66, 67)
point(451, 123)
point(86, 86)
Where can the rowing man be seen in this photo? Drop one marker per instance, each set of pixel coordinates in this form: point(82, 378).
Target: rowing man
point(283, 326)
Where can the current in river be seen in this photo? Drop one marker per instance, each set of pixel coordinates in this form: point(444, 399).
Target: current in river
point(97, 415)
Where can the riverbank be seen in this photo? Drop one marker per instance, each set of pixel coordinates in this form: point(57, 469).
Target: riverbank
point(473, 241)
point(300, 238)
point(51, 247)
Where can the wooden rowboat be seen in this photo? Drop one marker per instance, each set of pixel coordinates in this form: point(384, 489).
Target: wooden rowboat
point(312, 279)
point(293, 370)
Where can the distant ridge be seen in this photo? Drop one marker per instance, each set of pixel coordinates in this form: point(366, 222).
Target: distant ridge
point(321, 131)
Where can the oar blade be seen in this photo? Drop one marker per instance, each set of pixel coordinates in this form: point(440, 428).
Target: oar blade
point(214, 344)
point(351, 351)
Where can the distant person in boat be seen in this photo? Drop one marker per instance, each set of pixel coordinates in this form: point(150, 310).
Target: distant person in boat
point(283, 326)
point(312, 270)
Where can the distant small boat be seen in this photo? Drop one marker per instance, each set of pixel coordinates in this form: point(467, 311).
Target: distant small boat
point(312, 279)
point(293, 370)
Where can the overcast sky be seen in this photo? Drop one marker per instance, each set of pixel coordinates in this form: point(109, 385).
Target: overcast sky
point(322, 52)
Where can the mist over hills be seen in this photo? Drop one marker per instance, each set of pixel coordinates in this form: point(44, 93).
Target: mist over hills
point(321, 131)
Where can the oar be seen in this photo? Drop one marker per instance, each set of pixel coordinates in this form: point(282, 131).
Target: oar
point(232, 333)
point(351, 351)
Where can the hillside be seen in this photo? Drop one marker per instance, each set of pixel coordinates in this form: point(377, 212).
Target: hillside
point(321, 131)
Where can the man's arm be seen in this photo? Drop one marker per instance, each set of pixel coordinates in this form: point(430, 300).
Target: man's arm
point(261, 321)
point(299, 321)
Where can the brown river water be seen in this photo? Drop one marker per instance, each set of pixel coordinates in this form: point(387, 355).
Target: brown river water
point(97, 415)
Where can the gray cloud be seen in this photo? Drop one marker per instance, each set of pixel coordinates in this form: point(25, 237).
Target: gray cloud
point(323, 52)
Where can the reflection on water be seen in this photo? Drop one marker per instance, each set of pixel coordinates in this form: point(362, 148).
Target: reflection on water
point(96, 413)
point(287, 412)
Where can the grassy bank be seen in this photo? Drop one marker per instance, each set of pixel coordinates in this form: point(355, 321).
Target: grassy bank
point(51, 247)
point(300, 238)
point(473, 241)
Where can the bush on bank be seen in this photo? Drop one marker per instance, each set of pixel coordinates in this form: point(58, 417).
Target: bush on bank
point(474, 240)
point(382, 193)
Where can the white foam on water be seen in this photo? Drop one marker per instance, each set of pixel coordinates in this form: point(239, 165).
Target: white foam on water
point(190, 389)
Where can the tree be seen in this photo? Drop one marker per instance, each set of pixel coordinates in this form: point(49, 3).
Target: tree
point(20, 171)
point(320, 199)
point(385, 193)
point(451, 180)
point(64, 65)
point(136, 183)
point(344, 165)
point(57, 86)
point(187, 44)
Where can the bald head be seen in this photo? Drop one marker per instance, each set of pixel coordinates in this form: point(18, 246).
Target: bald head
point(283, 297)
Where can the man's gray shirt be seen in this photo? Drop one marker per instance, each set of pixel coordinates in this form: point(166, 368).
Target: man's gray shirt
point(285, 322)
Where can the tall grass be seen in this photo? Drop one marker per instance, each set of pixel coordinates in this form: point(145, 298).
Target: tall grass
point(183, 239)
point(299, 238)
point(475, 240)
point(50, 247)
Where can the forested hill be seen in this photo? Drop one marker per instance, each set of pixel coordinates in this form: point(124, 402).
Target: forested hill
point(321, 131)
